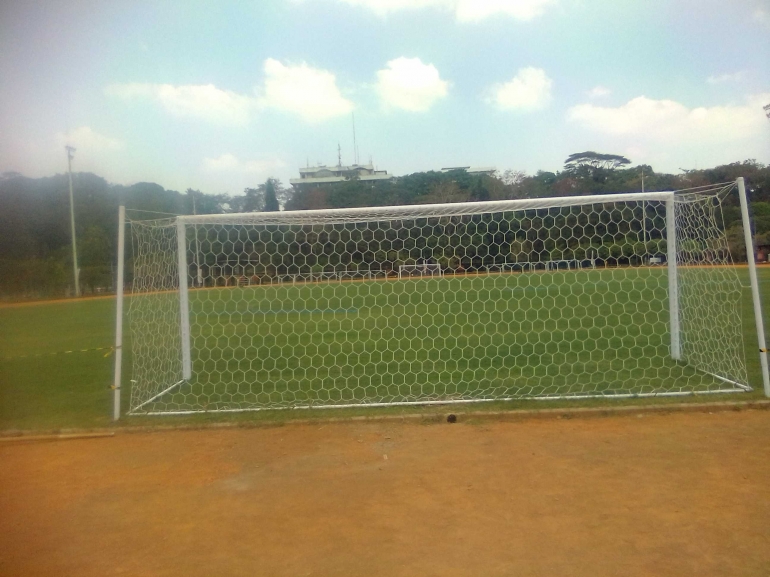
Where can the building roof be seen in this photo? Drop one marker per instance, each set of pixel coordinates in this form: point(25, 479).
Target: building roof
point(336, 168)
point(471, 169)
point(323, 174)
point(329, 179)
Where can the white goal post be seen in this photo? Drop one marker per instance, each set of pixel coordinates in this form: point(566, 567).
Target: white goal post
point(466, 302)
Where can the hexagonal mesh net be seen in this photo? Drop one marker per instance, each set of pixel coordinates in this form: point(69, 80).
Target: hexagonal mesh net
point(549, 298)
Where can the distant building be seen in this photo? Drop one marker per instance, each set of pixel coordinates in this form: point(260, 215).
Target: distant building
point(313, 176)
point(488, 170)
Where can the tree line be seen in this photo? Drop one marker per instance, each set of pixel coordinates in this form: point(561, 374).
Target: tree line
point(35, 256)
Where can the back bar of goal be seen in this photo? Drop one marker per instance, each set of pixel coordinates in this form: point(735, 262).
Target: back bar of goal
point(383, 213)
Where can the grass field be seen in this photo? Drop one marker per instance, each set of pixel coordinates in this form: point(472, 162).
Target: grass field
point(476, 353)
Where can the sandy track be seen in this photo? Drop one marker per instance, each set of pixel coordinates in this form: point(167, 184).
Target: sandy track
point(680, 494)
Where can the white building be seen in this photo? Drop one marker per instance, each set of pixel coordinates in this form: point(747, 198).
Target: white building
point(312, 176)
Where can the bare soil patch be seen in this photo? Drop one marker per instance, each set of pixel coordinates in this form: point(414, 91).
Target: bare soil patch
point(678, 494)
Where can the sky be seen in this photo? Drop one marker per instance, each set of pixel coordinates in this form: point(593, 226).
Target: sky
point(218, 96)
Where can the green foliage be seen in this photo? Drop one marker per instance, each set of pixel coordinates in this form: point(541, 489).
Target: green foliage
point(594, 160)
point(35, 258)
point(196, 202)
point(480, 192)
point(271, 200)
point(761, 213)
point(254, 199)
point(264, 198)
point(736, 243)
point(94, 247)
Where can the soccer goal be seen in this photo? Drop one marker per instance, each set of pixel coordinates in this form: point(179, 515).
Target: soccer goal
point(425, 269)
point(541, 298)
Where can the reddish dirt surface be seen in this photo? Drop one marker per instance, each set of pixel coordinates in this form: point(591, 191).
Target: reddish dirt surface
point(681, 494)
point(55, 301)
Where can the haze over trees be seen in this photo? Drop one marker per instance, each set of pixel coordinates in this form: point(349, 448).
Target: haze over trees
point(34, 213)
point(263, 198)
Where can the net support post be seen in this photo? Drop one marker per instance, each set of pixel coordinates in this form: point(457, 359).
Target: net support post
point(754, 285)
point(673, 279)
point(119, 315)
point(184, 303)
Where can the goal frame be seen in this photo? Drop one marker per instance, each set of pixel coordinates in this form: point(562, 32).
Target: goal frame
point(372, 214)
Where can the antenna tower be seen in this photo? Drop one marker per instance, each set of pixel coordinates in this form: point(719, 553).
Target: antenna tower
point(355, 146)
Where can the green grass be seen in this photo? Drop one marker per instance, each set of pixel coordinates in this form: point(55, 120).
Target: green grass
point(486, 336)
point(60, 390)
point(364, 323)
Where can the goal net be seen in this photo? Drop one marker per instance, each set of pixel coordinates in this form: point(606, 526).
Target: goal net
point(542, 298)
point(419, 270)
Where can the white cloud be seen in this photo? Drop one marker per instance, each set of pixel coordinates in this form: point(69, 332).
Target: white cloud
point(230, 163)
point(224, 162)
point(94, 152)
point(669, 134)
point(409, 84)
point(385, 7)
point(666, 119)
point(311, 93)
point(464, 10)
point(762, 16)
point(529, 90)
point(203, 101)
point(475, 10)
point(599, 92)
point(723, 78)
point(88, 141)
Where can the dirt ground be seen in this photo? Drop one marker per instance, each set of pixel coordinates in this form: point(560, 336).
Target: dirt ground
point(681, 494)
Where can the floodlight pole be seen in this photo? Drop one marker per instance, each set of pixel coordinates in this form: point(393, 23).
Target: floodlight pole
point(76, 275)
point(754, 285)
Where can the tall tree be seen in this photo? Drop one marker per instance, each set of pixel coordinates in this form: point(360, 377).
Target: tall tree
point(479, 191)
point(271, 198)
point(513, 177)
point(254, 199)
point(264, 198)
point(197, 202)
point(594, 160)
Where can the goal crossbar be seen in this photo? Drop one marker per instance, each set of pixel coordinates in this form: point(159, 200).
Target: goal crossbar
point(379, 213)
